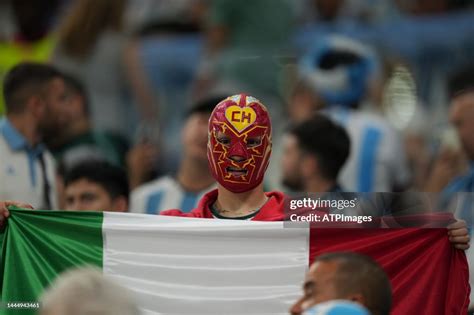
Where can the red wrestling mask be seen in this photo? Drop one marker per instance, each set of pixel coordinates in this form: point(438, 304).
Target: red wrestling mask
point(240, 142)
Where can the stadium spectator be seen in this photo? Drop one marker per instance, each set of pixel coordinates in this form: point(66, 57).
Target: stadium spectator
point(347, 276)
point(193, 178)
point(337, 76)
point(92, 46)
point(96, 186)
point(315, 152)
point(84, 291)
point(461, 116)
point(458, 193)
point(238, 150)
point(35, 99)
point(78, 141)
point(163, 57)
point(244, 44)
point(32, 39)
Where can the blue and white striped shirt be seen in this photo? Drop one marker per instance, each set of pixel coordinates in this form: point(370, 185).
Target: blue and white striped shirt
point(377, 160)
point(162, 194)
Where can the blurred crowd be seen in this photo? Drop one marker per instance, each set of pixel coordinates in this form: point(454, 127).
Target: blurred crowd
point(107, 102)
point(137, 72)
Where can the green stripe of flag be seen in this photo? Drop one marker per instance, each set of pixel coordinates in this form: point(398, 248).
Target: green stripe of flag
point(38, 245)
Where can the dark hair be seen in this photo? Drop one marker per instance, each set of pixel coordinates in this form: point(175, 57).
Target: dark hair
point(461, 81)
point(25, 80)
point(327, 141)
point(75, 85)
point(34, 18)
point(358, 273)
point(112, 178)
point(205, 106)
point(336, 58)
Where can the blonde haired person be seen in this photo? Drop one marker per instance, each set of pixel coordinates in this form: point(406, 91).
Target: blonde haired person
point(85, 291)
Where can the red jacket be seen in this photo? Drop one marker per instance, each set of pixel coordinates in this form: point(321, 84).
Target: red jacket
point(272, 210)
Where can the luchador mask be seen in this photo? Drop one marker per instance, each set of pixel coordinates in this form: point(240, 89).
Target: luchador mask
point(240, 142)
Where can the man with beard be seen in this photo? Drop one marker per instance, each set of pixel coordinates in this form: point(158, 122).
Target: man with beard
point(35, 99)
point(314, 153)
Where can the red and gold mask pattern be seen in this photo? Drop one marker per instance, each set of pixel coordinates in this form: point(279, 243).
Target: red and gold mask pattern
point(240, 142)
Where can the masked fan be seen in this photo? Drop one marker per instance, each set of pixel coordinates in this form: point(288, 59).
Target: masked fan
point(238, 150)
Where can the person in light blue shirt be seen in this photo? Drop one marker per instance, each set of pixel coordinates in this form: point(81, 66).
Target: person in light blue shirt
point(461, 115)
point(459, 193)
point(335, 77)
point(193, 179)
point(35, 100)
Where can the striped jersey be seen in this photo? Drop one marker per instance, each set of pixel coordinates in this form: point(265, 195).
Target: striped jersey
point(162, 194)
point(377, 161)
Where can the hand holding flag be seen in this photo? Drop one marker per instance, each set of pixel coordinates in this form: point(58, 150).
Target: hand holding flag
point(4, 213)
